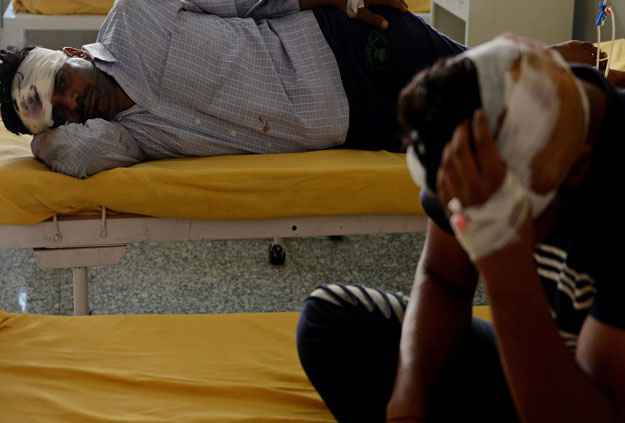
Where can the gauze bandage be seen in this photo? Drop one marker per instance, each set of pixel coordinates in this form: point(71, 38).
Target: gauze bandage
point(33, 85)
point(353, 6)
point(488, 227)
point(538, 113)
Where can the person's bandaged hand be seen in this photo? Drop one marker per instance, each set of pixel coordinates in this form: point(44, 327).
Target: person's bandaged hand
point(487, 204)
point(359, 9)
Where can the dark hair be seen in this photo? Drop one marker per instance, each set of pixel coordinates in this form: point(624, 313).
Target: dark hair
point(433, 104)
point(10, 61)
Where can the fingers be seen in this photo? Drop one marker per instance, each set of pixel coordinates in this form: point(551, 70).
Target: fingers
point(374, 19)
point(486, 150)
point(579, 52)
point(371, 18)
point(457, 170)
point(470, 173)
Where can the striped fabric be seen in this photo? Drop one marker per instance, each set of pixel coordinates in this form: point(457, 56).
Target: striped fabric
point(571, 293)
point(206, 82)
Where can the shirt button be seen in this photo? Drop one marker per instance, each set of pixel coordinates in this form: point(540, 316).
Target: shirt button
point(233, 133)
point(197, 121)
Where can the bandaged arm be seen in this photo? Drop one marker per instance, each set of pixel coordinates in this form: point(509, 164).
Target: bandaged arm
point(80, 150)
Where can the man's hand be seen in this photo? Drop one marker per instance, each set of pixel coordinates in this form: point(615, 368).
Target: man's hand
point(471, 169)
point(373, 19)
point(362, 13)
point(580, 52)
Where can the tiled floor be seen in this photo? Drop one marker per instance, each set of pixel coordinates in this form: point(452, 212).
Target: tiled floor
point(213, 276)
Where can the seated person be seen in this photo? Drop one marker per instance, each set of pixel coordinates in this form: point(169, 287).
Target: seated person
point(516, 154)
point(191, 78)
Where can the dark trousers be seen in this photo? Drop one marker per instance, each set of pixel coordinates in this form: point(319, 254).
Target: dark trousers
point(376, 64)
point(350, 356)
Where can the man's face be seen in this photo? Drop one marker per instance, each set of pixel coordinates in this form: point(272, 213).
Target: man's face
point(81, 92)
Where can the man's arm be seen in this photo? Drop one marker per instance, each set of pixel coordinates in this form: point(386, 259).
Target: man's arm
point(364, 14)
point(261, 9)
point(445, 282)
point(80, 150)
point(546, 382)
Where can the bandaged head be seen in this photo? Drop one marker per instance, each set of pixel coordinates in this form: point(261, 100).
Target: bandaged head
point(33, 86)
point(536, 109)
point(537, 112)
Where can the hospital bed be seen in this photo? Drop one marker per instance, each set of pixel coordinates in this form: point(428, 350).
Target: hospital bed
point(219, 368)
point(76, 223)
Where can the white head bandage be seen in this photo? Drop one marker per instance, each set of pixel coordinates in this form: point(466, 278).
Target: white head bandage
point(538, 113)
point(33, 85)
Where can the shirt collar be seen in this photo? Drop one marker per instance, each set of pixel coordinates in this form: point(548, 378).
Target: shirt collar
point(99, 51)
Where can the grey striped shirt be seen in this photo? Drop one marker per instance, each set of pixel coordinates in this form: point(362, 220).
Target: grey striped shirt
point(206, 82)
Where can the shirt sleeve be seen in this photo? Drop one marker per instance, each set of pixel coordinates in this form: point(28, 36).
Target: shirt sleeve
point(80, 150)
point(256, 9)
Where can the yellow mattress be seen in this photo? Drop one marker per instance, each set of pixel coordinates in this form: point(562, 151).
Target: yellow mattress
point(320, 183)
point(64, 7)
point(419, 6)
point(154, 368)
point(206, 368)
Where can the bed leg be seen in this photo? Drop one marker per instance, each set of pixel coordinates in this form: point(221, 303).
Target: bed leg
point(81, 291)
point(276, 251)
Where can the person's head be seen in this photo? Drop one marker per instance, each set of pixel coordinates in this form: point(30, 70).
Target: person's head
point(536, 109)
point(42, 89)
point(10, 61)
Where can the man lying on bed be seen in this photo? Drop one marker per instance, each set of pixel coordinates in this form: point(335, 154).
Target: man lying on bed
point(520, 159)
point(191, 78)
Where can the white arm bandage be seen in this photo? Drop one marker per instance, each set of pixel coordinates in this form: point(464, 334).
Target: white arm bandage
point(353, 6)
point(488, 227)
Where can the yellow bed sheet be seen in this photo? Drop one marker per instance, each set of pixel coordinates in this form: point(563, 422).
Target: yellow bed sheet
point(320, 183)
point(206, 368)
point(154, 369)
point(64, 7)
point(419, 6)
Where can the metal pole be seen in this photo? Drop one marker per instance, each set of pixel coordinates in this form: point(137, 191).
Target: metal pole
point(81, 291)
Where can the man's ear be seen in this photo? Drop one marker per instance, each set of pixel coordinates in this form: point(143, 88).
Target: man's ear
point(75, 52)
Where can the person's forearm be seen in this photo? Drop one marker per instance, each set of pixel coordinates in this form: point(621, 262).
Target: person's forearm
point(545, 381)
point(436, 319)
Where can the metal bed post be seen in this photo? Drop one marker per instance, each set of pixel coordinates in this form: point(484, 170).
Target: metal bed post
point(81, 291)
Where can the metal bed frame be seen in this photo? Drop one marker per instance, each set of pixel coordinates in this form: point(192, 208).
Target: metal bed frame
point(80, 242)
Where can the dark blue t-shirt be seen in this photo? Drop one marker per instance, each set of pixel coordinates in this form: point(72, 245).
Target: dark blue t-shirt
point(578, 262)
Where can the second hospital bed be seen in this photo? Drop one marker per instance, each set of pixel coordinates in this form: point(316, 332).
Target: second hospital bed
point(74, 223)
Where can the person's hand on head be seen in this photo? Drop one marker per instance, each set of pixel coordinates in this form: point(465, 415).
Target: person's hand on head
point(470, 172)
